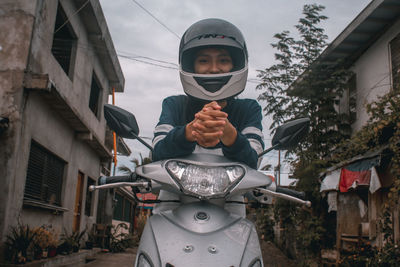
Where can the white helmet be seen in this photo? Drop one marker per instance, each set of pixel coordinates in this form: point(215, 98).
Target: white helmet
point(213, 33)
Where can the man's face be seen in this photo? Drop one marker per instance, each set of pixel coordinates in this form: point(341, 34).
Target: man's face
point(212, 61)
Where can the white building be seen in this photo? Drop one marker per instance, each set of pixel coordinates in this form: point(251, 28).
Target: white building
point(370, 45)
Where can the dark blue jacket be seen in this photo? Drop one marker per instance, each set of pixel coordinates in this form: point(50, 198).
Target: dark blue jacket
point(245, 115)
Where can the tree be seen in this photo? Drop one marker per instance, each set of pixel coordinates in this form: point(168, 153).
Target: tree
point(301, 85)
point(143, 161)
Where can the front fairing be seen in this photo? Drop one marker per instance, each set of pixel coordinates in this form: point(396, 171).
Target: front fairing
point(158, 173)
point(199, 234)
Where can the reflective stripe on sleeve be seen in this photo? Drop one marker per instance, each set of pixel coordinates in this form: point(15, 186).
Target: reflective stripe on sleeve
point(158, 139)
point(253, 130)
point(163, 128)
point(256, 145)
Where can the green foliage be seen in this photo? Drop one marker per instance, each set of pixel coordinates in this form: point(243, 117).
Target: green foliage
point(299, 85)
point(70, 241)
point(136, 162)
point(361, 256)
point(265, 223)
point(367, 255)
point(314, 94)
point(311, 234)
point(18, 242)
point(383, 128)
point(120, 240)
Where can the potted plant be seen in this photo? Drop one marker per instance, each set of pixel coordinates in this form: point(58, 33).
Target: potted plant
point(53, 243)
point(77, 236)
point(18, 242)
point(41, 241)
point(90, 239)
point(67, 242)
point(70, 242)
point(121, 239)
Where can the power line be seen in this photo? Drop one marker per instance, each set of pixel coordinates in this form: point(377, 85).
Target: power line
point(67, 20)
point(126, 54)
point(101, 50)
point(149, 63)
point(159, 21)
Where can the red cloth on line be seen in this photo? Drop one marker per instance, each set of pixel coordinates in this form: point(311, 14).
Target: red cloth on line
point(353, 179)
point(146, 196)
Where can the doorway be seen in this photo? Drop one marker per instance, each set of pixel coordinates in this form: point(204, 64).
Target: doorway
point(78, 203)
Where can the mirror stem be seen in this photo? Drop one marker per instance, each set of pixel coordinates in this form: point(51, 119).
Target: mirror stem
point(268, 150)
point(142, 141)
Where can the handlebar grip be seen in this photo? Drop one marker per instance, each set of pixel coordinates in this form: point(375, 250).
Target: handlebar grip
point(117, 179)
point(291, 192)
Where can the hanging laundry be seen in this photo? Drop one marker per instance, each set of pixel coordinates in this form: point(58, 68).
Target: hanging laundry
point(357, 173)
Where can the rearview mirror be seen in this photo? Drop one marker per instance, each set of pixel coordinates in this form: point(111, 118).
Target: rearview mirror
point(289, 134)
point(122, 122)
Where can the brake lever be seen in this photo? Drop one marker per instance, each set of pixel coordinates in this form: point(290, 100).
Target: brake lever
point(143, 184)
point(284, 196)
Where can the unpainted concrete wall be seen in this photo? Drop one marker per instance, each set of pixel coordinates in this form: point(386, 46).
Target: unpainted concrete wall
point(26, 34)
point(16, 25)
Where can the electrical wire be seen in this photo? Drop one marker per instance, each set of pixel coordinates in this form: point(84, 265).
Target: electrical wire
point(67, 20)
point(146, 62)
point(103, 51)
point(159, 21)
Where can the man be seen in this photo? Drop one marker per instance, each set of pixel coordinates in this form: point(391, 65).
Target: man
point(209, 119)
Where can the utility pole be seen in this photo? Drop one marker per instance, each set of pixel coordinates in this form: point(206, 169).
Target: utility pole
point(277, 170)
point(279, 167)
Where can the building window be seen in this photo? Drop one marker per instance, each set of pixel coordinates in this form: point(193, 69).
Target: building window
point(122, 209)
point(89, 197)
point(352, 107)
point(395, 57)
point(95, 96)
point(64, 42)
point(44, 176)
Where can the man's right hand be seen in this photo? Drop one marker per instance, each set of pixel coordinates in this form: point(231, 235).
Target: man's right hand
point(208, 126)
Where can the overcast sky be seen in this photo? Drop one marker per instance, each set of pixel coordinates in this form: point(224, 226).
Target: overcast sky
point(139, 36)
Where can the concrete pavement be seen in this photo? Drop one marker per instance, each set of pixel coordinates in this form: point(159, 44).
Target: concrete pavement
point(122, 259)
point(272, 257)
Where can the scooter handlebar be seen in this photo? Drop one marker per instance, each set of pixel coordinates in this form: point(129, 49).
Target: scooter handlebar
point(291, 192)
point(117, 179)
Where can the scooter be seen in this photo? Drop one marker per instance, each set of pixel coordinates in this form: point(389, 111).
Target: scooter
point(199, 218)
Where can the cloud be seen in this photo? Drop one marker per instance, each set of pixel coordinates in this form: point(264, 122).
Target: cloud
point(136, 33)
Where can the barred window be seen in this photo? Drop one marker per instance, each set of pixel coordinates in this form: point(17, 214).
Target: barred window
point(123, 208)
point(119, 207)
point(64, 42)
point(44, 176)
point(95, 96)
point(127, 210)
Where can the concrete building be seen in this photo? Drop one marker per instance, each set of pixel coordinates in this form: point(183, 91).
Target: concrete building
point(371, 47)
point(58, 68)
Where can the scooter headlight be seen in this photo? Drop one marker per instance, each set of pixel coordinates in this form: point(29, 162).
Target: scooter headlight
point(205, 181)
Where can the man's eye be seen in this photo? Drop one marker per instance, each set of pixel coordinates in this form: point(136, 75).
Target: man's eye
point(225, 60)
point(202, 60)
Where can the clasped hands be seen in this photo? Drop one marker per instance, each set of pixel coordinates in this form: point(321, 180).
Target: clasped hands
point(211, 126)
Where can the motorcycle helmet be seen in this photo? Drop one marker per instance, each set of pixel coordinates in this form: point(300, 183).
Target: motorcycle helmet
point(216, 33)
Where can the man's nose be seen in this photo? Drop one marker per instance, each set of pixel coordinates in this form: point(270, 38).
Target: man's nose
point(214, 68)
